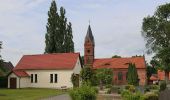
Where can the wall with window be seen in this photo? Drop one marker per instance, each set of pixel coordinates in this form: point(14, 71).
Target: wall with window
point(50, 78)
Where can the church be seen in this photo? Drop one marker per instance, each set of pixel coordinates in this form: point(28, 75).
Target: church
point(119, 65)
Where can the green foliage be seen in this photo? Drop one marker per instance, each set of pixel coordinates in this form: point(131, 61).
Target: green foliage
point(127, 95)
point(162, 85)
point(132, 75)
point(86, 74)
point(85, 92)
point(116, 56)
point(151, 96)
point(75, 80)
point(155, 30)
point(114, 89)
point(105, 75)
point(131, 88)
point(150, 70)
point(59, 32)
point(3, 82)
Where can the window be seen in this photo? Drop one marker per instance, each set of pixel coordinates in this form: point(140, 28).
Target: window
point(126, 75)
point(31, 78)
point(35, 78)
point(51, 78)
point(120, 76)
point(88, 51)
point(55, 78)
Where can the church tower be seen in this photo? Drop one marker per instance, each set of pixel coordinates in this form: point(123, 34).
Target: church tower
point(89, 45)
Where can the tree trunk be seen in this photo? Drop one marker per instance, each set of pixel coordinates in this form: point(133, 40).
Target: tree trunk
point(167, 76)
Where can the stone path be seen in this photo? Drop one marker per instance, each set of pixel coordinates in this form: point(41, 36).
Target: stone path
point(164, 95)
point(59, 97)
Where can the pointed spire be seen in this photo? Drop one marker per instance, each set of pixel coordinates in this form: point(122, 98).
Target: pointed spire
point(89, 35)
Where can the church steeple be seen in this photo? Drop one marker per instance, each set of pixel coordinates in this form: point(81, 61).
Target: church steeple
point(89, 36)
point(89, 48)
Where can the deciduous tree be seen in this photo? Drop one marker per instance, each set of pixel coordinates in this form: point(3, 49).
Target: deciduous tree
point(156, 31)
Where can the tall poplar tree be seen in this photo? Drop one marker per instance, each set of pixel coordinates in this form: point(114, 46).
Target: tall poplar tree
point(59, 38)
point(132, 75)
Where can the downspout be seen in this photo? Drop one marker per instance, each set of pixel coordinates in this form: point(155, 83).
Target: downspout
point(19, 82)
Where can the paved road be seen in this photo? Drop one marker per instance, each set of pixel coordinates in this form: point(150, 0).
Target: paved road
point(59, 97)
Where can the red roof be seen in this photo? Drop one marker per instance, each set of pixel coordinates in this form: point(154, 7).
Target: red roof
point(119, 62)
point(48, 61)
point(154, 77)
point(20, 73)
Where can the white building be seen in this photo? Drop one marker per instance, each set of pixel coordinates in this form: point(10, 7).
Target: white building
point(45, 71)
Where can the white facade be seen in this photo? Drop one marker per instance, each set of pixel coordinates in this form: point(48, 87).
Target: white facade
point(43, 78)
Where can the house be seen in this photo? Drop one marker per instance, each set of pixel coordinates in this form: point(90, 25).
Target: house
point(119, 65)
point(45, 71)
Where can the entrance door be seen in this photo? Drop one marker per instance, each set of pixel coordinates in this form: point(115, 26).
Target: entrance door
point(13, 83)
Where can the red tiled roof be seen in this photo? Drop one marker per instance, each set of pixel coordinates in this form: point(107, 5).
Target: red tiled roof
point(119, 62)
point(20, 73)
point(48, 61)
point(154, 77)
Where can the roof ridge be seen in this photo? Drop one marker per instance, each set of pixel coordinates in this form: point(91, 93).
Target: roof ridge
point(52, 54)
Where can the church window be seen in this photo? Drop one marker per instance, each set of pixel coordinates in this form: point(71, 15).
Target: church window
point(88, 59)
point(120, 76)
point(88, 51)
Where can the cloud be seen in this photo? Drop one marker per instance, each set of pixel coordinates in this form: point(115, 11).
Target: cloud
point(116, 25)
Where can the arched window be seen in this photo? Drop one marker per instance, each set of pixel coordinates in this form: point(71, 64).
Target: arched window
point(120, 76)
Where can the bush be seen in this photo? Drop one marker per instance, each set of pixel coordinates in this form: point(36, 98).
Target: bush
point(127, 95)
point(151, 96)
point(83, 93)
point(108, 86)
point(3, 82)
point(147, 89)
point(154, 87)
point(131, 88)
point(162, 86)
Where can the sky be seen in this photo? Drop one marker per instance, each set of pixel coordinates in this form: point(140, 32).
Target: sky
point(116, 26)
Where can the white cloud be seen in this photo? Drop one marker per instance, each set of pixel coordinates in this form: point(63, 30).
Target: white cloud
point(116, 25)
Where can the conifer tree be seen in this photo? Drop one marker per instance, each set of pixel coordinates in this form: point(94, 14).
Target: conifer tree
point(59, 37)
point(132, 75)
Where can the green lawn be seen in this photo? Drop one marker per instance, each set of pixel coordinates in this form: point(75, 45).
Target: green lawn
point(27, 94)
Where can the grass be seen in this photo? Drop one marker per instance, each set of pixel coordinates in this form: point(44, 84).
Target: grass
point(28, 93)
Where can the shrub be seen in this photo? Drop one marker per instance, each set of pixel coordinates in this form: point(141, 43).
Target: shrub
point(162, 86)
point(154, 87)
point(3, 82)
point(108, 86)
point(151, 96)
point(147, 89)
point(115, 89)
point(127, 95)
point(131, 88)
point(83, 93)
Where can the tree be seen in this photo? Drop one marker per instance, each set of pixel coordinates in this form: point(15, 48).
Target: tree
point(104, 76)
point(116, 56)
point(75, 80)
point(150, 70)
point(59, 38)
point(132, 75)
point(155, 30)
point(86, 74)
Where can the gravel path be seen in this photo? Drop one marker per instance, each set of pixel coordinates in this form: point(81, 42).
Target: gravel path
point(59, 97)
